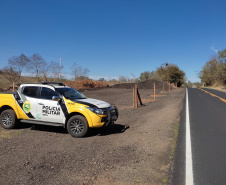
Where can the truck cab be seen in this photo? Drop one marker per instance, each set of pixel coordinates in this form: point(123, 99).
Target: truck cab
point(53, 103)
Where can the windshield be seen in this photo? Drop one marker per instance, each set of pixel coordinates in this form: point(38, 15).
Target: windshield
point(70, 93)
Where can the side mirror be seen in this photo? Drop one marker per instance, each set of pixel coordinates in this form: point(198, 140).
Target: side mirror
point(56, 98)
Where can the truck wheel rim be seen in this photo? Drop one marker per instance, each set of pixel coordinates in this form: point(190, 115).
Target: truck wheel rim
point(76, 126)
point(7, 119)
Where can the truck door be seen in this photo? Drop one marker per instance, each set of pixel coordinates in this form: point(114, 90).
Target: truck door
point(48, 109)
point(29, 101)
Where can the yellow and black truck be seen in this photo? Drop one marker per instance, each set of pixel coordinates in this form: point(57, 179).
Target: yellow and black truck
point(53, 103)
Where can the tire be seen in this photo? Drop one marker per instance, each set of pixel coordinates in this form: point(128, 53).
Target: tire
point(77, 126)
point(8, 119)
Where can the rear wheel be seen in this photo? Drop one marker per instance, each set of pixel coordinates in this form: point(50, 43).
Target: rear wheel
point(77, 126)
point(8, 119)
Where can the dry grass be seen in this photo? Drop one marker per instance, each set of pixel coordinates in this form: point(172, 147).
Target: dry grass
point(158, 95)
point(7, 134)
point(86, 84)
point(5, 85)
point(145, 100)
point(219, 88)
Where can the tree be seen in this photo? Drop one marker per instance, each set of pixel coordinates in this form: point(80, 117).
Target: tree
point(134, 78)
point(197, 84)
point(161, 73)
point(222, 68)
point(166, 72)
point(170, 73)
point(214, 71)
point(36, 65)
point(190, 84)
point(209, 74)
point(145, 76)
point(222, 56)
point(175, 75)
point(46, 71)
point(10, 74)
point(56, 70)
point(123, 79)
point(18, 63)
point(79, 73)
point(101, 79)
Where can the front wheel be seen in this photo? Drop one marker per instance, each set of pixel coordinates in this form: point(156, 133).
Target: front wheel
point(77, 126)
point(8, 119)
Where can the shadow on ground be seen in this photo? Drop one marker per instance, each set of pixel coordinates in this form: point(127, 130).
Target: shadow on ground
point(103, 131)
point(44, 128)
point(112, 129)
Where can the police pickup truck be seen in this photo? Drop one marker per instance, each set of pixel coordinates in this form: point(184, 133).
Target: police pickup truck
point(53, 103)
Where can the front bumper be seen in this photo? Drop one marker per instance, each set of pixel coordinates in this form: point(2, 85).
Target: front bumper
point(112, 115)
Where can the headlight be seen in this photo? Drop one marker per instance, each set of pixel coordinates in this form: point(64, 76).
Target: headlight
point(97, 110)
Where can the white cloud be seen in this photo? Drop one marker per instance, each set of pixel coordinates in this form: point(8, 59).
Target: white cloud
point(105, 77)
point(213, 49)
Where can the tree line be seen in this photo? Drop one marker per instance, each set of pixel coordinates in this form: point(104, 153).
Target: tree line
point(36, 66)
point(166, 72)
point(213, 72)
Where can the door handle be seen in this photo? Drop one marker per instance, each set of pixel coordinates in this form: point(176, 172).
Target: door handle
point(20, 101)
point(40, 103)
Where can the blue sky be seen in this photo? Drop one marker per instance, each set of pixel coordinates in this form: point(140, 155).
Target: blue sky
point(114, 37)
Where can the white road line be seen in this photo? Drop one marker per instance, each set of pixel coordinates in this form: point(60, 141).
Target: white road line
point(189, 168)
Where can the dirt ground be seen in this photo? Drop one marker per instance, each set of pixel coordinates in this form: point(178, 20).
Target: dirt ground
point(140, 154)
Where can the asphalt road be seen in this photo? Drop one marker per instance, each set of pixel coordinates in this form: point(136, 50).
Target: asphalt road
point(207, 113)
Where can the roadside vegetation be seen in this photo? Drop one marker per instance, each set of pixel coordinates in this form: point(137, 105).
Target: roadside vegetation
point(166, 72)
point(34, 68)
point(213, 72)
point(37, 67)
point(194, 85)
